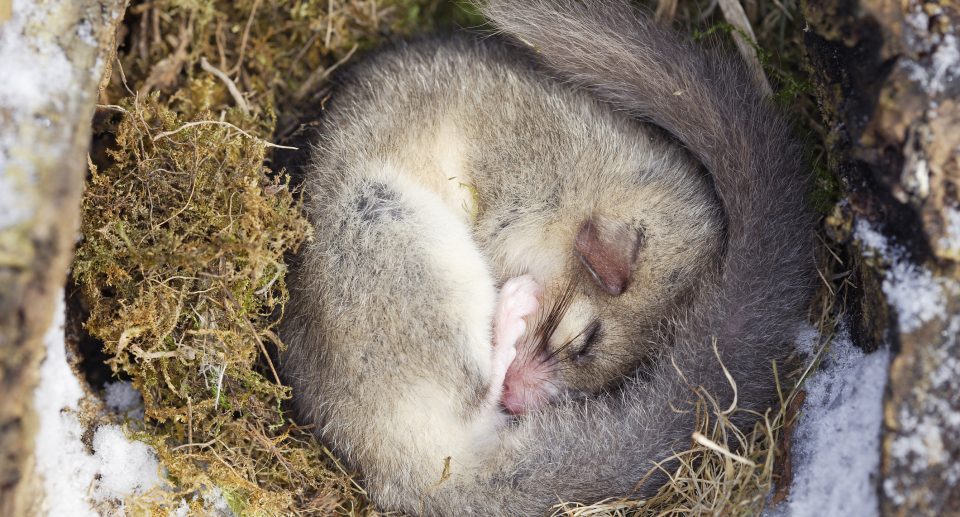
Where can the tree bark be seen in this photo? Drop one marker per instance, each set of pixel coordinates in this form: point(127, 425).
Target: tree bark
point(43, 149)
point(888, 79)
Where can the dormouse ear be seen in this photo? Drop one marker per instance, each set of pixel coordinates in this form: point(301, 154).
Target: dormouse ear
point(609, 251)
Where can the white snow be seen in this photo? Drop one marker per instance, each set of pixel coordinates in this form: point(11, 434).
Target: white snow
point(126, 467)
point(26, 85)
point(180, 511)
point(874, 243)
point(912, 290)
point(918, 20)
point(73, 477)
point(67, 468)
point(37, 81)
point(951, 235)
point(215, 503)
point(85, 32)
point(807, 340)
point(946, 64)
point(12, 210)
point(915, 293)
point(925, 432)
point(121, 397)
point(836, 445)
point(29, 95)
point(936, 72)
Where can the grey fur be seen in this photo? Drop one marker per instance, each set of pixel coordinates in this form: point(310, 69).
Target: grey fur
point(375, 315)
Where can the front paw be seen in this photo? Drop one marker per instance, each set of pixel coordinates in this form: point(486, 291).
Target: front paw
point(518, 299)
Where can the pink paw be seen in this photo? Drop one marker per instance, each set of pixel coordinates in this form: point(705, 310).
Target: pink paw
point(519, 298)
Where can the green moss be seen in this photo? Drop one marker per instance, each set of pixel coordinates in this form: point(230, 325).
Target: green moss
point(182, 263)
point(185, 228)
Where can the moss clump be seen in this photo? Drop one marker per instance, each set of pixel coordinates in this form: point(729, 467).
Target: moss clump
point(182, 262)
point(185, 227)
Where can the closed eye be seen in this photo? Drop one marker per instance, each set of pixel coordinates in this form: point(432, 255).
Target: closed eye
point(591, 337)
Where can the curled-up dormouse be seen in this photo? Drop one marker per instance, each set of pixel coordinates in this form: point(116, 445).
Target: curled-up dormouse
point(516, 251)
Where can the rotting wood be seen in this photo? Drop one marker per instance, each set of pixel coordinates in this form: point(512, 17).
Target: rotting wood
point(888, 75)
point(49, 145)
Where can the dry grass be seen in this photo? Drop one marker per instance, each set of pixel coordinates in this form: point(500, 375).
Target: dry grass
point(186, 226)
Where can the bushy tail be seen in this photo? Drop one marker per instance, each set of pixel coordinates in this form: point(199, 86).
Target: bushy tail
point(590, 450)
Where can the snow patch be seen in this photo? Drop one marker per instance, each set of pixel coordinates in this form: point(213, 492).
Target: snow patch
point(915, 294)
point(874, 243)
point(946, 64)
point(12, 210)
point(126, 467)
point(68, 470)
point(912, 290)
point(928, 428)
point(73, 477)
point(836, 446)
point(951, 235)
point(26, 86)
point(807, 340)
point(942, 66)
point(921, 444)
point(121, 397)
point(918, 21)
point(215, 502)
point(28, 95)
point(214, 505)
point(85, 33)
point(181, 511)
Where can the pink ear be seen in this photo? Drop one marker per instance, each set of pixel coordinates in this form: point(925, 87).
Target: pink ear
point(608, 254)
